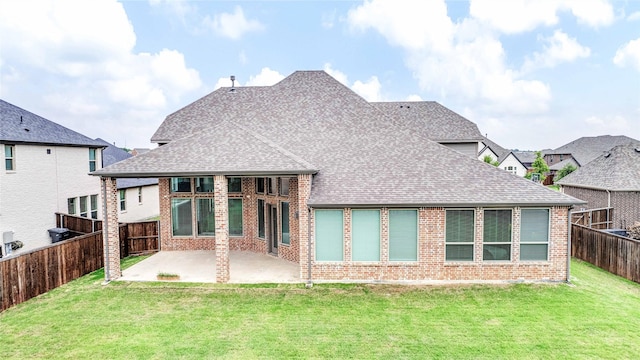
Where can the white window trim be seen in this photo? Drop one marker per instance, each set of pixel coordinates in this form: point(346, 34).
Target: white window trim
point(315, 250)
point(367, 262)
point(498, 243)
point(548, 243)
point(401, 262)
point(473, 244)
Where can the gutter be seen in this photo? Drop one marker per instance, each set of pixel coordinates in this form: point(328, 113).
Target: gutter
point(105, 228)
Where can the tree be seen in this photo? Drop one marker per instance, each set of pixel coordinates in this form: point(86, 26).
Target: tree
point(489, 160)
point(566, 170)
point(539, 167)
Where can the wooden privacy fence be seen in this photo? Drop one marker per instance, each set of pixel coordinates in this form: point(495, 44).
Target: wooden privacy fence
point(616, 254)
point(33, 273)
point(78, 223)
point(593, 218)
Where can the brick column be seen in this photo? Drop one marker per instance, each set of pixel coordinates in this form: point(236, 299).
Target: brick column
point(304, 190)
point(111, 233)
point(222, 228)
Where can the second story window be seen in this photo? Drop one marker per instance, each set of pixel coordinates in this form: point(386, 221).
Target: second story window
point(92, 159)
point(9, 157)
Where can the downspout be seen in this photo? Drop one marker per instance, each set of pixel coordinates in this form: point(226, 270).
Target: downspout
point(569, 244)
point(309, 281)
point(609, 220)
point(105, 228)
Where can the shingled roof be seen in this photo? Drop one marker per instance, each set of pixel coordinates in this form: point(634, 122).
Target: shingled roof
point(500, 152)
point(311, 123)
point(22, 126)
point(588, 148)
point(616, 170)
point(112, 154)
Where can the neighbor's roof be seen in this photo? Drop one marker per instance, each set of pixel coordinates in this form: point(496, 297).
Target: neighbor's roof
point(585, 149)
point(442, 124)
point(560, 165)
point(22, 126)
point(616, 170)
point(525, 156)
point(112, 154)
point(311, 123)
point(500, 152)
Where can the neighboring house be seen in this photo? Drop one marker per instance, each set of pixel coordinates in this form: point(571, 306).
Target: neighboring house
point(310, 172)
point(441, 124)
point(46, 170)
point(139, 151)
point(507, 159)
point(611, 180)
point(137, 198)
point(526, 158)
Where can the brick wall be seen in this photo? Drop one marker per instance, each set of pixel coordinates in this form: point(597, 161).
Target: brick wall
point(625, 204)
point(595, 198)
point(431, 264)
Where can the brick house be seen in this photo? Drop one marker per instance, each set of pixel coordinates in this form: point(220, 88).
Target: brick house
point(611, 180)
point(45, 171)
point(308, 171)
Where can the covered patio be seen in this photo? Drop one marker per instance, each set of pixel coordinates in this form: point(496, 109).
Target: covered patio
point(200, 266)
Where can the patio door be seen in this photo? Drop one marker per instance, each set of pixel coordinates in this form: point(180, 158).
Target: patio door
point(273, 229)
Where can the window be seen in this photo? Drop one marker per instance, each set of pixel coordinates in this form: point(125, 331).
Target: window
point(403, 235)
point(271, 185)
point(497, 235)
point(181, 217)
point(511, 169)
point(9, 157)
point(206, 217)
point(83, 206)
point(459, 235)
point(235, 185)
point(180, 185)
point(534, 234)
point(123, 200)
point(365, 235)
point(71, 206)
point(204, 185)
point(139, 194)
point(329, 231)
point(284, 186)
point(261, 223)
point(284, 215)
point(92, 159)
point(94, 206)
point(259, 185)
point(235, 217)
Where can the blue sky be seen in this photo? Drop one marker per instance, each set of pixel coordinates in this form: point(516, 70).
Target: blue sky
point(531, 74)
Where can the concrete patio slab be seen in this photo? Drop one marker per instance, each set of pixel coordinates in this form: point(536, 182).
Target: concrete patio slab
point(200, 266)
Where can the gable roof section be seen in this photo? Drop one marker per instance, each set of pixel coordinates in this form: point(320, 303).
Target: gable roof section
point(525, 157)
point(311, 123)
point(500, 152)
point(442, 124)
point(616, 170)
point(588, 148)
point(560, 165)
point(22, 126)
point(112, 154)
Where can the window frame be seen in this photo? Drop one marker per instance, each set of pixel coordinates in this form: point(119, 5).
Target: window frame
point(260, 182)
point(472, 243)
point(10, 158)
point(94, 210)
point(83, 200)
point(353, 242)
point(139, 195)
point(282, 217)
point(272, 185)
point(315, 236)
point(229, 186)
point(196, 203)
point(176, 189)
point(261, 219)
point(282, 188)
point(484, 227)
point(122, 200)
point(417, 211)
point(93, 159)
point(201, 186)
point(229, 200)
point(71, 206)
point(547, 243)
point(191, 202)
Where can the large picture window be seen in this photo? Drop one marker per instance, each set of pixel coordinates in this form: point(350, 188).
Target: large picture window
point(403, 235)
point(534, 234)
point(206, 217)
point(329, 231)
point(365, 235)
point(235, 217)
point(497, 235)
point(284, 214)
point(261, 223)
point(181, 217)
point(459, 235)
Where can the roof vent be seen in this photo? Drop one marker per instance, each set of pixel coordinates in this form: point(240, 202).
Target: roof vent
point(607, 154)
point(637, 149)
point(233, 81)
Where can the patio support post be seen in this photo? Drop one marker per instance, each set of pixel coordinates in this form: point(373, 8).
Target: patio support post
point(110, 231)
point(304, 190)
point(222, 228)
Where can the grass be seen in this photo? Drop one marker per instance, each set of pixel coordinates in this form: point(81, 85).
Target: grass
point(595, 317)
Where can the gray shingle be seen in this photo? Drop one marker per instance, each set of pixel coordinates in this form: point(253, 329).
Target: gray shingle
point(497, 149)
point(22, 126)
point(588, 148)
point(361, 155)
point(616, 170)
point(112, 154)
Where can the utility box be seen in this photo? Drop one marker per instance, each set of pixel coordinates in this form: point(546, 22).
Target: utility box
point(59, 234)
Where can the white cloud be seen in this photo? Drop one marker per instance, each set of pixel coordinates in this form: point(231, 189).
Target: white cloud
point(338, 75)
point(559, 48)
point(516, 16)
point(628, 55)
point(634, 16)
point(266, 77)
point(609, 124)
point(414, 97)
point(102, 87)
point(370, 90)
point(232, 26)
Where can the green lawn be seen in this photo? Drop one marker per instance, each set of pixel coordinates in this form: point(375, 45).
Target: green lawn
point(598, 316)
